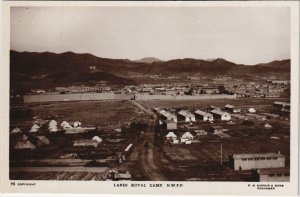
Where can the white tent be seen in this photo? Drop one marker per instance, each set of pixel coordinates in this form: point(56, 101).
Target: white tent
point(77, 124)
point(187, 135)
point(118, 130)
point(171, 135)
point(16, 130)
point(34, 128)
point(65, 125)
point(251, 110)
point(267, 125)
point(52, 122)
point(53, 129)
point(24, 145)
point(25, 137)
point(42, 140)
point(52, 126)
point(96, 138)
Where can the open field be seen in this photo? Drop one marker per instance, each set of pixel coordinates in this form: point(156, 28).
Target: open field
point(87, 112)
point(260, 104)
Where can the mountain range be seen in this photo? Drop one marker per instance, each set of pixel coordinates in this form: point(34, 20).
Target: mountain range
point(48, 70)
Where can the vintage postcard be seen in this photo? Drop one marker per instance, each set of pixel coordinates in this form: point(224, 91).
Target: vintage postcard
point(150, 97)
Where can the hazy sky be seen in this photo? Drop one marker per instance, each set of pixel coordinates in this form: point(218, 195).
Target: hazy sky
point(241, 35)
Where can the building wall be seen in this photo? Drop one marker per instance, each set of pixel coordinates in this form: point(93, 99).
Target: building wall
point(183, 97)
point(199, 116)
point(171, 125)
point(257, 164)
point(187, 118)
point(107, 96)
point(226, 117)
point(277, 178)
point(67, 97)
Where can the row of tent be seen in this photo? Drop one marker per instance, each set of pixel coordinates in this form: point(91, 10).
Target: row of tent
point(25, 143)
point(185, 138)
point(52, 127)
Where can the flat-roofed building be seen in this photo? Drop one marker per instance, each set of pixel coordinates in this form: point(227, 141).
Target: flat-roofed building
point(256, 161)
point(282, 108)
point(272, 175)
point(205, 116)
point(279, 105)
point(169, 125)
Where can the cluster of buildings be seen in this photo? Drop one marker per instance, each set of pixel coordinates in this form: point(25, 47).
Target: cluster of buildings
point(157, 89)
point(169, 118)
point(83, 89)
point(269, 89)
point(175, 89)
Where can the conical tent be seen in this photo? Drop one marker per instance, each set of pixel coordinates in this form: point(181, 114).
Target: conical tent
point(96, 138)
point(267, 125)
point(171, 135)
point(52, 122)
point(52, 126)
point(77, 124)
point(25, 137)
point(53, 130)
point(16, 130)
point(34, 128)
point(65, 125)
point(43, 140)
point(187, 135)
point(25, 145)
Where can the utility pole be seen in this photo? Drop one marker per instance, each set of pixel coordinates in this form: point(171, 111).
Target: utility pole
point(221, 147)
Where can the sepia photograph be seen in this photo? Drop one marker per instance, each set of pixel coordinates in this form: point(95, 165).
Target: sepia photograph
point(134, 94)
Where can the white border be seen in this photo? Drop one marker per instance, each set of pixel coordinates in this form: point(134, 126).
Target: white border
point(203, 188)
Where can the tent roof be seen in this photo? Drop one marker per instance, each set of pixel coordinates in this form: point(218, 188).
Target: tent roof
point(35, 126)
point(171, 134)
point(44, 139)
point(25, 145)
point(97, 138)
point(16, 130)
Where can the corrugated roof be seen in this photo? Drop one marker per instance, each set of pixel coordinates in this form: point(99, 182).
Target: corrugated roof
point(202, 113)
point(229, 106)
point(185, 113)
point(219, 112)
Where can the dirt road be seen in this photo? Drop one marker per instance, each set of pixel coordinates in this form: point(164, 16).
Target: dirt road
point(145, 149)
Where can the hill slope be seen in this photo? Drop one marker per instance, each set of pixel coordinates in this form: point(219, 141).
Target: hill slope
point(149, 60)
point(48, 70)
